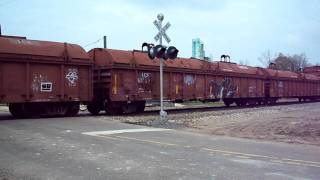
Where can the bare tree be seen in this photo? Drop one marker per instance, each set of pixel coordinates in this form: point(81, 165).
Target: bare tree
point(300, 60)
point(284, 62)
point(266, 58)
point(291, 63)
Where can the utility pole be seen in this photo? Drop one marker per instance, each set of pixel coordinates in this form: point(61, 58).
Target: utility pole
point(105, 42)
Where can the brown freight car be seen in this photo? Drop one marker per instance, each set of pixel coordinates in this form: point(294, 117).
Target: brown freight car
point(125, 80)
point(286, 84)
point(40, 77)
point(315, 70)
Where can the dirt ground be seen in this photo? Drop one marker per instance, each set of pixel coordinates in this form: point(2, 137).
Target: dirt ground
point(294, 123)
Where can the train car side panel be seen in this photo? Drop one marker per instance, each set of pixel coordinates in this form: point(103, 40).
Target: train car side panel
point(243, 90)
point(189, 84)
point(200, 87)
point(13, 82)
point(252, 88)
point(166, 86)
point(176, 86)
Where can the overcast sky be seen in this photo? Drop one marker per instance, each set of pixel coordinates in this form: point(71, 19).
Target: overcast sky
point(244, 29)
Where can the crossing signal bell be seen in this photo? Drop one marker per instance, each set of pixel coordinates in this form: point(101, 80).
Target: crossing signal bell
point(160, 51)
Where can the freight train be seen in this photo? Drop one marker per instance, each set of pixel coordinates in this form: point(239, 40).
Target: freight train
point(50, 78)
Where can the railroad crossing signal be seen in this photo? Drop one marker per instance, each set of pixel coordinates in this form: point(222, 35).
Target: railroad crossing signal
point(161, 52)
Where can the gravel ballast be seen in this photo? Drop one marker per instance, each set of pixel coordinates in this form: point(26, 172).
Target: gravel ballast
point(294, 123)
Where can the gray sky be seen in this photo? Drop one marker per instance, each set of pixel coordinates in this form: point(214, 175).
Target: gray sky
point(243, 29)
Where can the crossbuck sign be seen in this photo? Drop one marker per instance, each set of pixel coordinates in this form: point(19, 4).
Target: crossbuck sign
point(162, 30)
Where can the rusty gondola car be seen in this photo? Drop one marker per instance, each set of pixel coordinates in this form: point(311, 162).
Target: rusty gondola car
point(315, 70)
point(125, 80)
point(43, 78)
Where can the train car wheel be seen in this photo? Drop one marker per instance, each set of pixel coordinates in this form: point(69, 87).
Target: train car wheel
point(93, 108)
point(243, 102)
point(130, 108)
point(238, 103)
point(141, 107)
point(252, 102)
point(73, 110)
point(116, 108)
point(50, 109)
point(227, 103)
point(114, 111)
point(259, 102)
point(17, 110)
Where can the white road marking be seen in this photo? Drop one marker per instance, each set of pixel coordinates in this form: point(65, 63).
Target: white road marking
point(278, 160)
point(99, 133)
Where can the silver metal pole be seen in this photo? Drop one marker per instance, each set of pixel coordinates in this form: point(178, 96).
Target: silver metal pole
point(163, 114)
point(105, 42)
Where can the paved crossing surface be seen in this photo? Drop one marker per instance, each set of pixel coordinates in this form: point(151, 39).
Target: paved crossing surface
point(95, 148)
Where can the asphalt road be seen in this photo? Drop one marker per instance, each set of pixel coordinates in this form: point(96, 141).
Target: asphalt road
point(95, 148)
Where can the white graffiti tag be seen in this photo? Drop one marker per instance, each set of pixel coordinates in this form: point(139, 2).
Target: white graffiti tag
point(144, 77)
point(72, 76)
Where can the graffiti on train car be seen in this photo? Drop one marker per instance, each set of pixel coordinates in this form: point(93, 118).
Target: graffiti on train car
point(72, 76)
point(225, 88)
point(145, 82)
point(38, 81)
point(189, 80)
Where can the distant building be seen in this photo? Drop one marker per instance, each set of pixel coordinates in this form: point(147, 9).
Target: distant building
point(198, 50)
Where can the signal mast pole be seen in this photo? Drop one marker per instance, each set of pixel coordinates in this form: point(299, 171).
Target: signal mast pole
point(173, 51)
point(163, 113)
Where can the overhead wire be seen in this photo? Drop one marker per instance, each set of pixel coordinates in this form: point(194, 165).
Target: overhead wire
point(92, 43)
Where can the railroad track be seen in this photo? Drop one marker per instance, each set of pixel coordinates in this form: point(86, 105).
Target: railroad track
point(203, 109)
point(217, 108)
point(5, 116)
